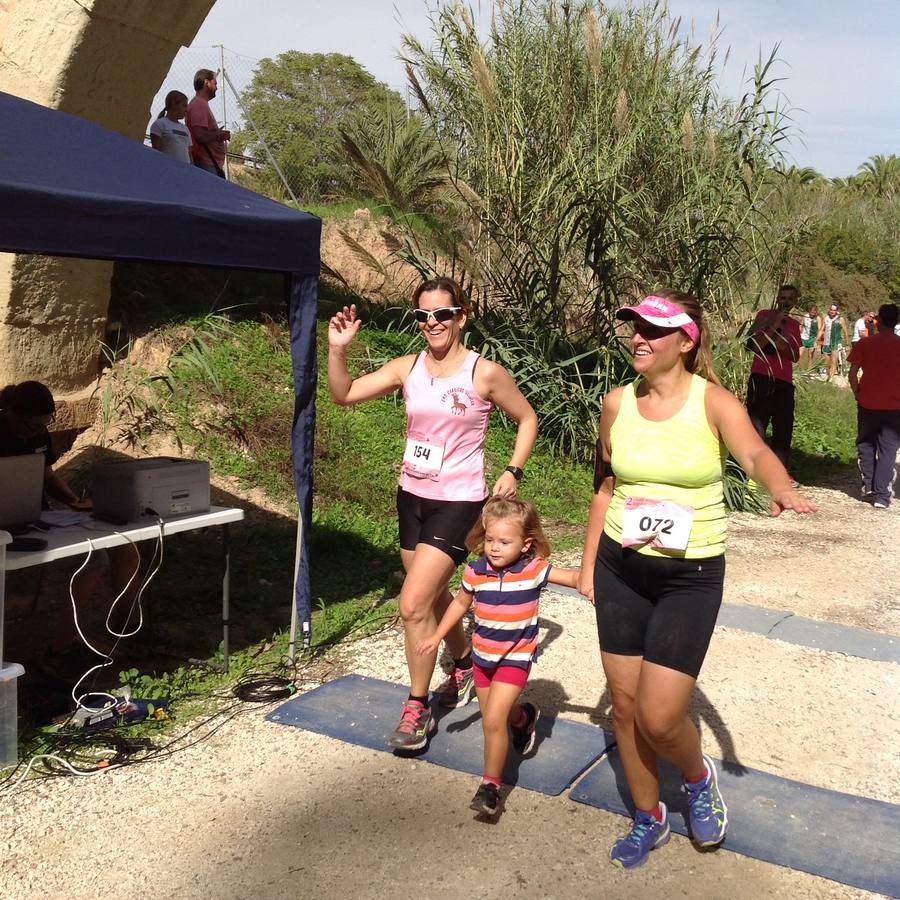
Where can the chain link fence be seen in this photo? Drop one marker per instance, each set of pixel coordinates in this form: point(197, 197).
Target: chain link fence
point(235, 71)
point(263, 154)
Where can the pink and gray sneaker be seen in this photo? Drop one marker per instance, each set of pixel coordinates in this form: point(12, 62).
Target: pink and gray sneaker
point(415, 727)
point(458, 689)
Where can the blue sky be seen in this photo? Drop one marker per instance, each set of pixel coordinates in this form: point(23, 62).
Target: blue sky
point(840, 58)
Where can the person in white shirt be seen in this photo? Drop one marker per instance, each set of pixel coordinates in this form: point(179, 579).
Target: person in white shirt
point(863, 327)
point(168, 133)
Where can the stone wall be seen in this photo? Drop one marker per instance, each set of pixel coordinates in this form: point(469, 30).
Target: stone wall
point(103, 60)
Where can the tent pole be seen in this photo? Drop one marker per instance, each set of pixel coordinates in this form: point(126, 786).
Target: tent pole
point(262, 140)
point(298, 554)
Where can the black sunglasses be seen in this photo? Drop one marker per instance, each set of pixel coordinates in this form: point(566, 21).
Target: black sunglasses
point(650, 332)
point(443, 314)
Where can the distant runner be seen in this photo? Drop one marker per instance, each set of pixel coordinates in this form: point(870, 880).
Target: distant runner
point(835, 336)
point(810, 326)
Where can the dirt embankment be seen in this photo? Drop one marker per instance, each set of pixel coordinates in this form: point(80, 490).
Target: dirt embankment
point(360, 251)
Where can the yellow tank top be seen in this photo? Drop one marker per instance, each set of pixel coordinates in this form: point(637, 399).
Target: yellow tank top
point(679, 459)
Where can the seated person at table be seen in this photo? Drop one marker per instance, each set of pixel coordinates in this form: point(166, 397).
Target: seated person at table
point(26, 411)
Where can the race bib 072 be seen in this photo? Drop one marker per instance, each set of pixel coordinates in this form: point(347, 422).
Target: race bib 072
point(424, 456)
point(659, 523)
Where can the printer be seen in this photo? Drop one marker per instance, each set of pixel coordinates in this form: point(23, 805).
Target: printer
point(128, 490)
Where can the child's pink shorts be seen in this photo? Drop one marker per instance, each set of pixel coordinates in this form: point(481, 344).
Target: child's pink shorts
point(506, 674)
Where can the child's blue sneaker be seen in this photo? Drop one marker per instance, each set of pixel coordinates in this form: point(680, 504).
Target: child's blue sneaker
point(708, 813)
point(646, 834)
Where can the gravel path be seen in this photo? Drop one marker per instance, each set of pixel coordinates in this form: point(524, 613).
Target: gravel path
point(262, 810)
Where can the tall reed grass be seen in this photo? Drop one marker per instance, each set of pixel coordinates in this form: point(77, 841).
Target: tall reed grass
point(591, 159)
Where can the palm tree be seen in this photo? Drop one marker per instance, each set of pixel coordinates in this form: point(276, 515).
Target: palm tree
point(881, 175)
point(802, 176)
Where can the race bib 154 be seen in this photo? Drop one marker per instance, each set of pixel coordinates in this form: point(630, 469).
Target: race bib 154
point(424, 456)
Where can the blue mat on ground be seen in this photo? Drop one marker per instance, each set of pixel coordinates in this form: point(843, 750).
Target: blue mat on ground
point(365, 711)
point(854, 840)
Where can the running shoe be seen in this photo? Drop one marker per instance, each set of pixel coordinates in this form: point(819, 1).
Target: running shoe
point(523, 736)
point(647, 833)
point(415, 727)
point(486, 799)
point(458, 689)
point(707, 811)
point(878, 504)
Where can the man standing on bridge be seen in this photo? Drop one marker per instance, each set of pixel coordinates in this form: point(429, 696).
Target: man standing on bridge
point(208, 140)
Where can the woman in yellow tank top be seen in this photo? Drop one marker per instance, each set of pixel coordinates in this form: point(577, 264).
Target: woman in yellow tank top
point(654, 561)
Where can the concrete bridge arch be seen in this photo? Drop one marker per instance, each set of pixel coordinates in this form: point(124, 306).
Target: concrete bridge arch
point(103, 60)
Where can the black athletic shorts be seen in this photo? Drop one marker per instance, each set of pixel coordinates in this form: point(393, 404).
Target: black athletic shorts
point(444, 524)
point(660, 608)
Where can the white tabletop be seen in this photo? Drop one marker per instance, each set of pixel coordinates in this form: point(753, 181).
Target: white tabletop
point(72, 540)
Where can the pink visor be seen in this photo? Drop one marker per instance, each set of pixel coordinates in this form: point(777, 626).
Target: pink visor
point(661, 312)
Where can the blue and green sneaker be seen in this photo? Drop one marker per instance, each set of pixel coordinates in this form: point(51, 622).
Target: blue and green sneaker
point(646, 834)
point(707, 811)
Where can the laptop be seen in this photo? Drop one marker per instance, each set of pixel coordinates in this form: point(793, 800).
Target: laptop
point(21, 490)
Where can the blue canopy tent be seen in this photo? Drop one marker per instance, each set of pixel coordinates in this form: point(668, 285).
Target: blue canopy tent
point(69, 187)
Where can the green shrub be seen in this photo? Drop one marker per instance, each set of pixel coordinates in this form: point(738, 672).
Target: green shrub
point(824, 422)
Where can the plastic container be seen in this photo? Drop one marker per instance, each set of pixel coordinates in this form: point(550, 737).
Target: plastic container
point(5, 538)
point(9, 731)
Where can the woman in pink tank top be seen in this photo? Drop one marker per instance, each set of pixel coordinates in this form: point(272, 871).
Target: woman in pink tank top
point(449, 393)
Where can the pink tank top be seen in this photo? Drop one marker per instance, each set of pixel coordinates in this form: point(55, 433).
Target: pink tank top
point(446, 422)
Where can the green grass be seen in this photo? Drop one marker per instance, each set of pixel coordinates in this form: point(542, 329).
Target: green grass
point(824, 430)
point(342, 210)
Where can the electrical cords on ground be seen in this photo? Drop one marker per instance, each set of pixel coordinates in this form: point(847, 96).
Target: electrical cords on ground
point(107, 657)
point(260, 687)
point(86, 753)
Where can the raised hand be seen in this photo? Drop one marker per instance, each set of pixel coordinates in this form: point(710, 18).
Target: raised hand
point(343, 327)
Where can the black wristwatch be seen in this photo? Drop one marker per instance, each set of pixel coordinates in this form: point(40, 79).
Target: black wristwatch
point(515, 471)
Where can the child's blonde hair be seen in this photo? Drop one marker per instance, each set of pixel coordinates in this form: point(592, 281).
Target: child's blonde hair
point(510, 508)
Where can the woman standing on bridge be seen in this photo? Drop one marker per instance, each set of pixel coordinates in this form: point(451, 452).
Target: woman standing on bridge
point(654, 561)
point(449, 393)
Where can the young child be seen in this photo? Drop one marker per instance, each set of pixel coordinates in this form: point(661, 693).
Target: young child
point(505, 582)
point(168, 133)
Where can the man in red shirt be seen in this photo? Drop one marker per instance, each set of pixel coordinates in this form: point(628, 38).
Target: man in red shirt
point(878, 407)
point(207, 139)
point(775, 342)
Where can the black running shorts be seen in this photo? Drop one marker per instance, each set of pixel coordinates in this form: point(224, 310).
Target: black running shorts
point(660, 608)
point(444, 524)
